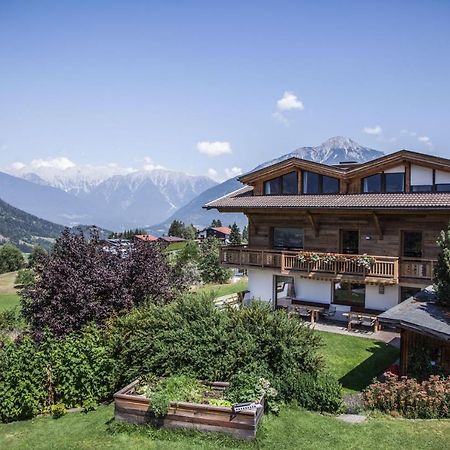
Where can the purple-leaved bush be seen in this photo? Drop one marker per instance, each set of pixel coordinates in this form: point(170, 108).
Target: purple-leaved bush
point(80, 282)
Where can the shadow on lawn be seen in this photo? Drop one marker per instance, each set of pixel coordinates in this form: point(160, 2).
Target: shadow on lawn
point(383, 355)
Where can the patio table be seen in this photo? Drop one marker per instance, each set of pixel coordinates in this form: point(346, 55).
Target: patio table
point(359, 319)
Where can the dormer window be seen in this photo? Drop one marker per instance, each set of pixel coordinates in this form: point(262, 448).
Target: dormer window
point(313, 183)
point(284, 185)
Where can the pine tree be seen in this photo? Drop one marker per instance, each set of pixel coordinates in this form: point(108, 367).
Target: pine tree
point(245, 234)
point(235, 235)
point(442, 270)
point(176, 228)
point(216, 223)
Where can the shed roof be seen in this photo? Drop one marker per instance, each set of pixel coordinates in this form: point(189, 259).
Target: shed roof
point(421, 314)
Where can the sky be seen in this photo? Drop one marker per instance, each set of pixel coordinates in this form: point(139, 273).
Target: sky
point(218, 87)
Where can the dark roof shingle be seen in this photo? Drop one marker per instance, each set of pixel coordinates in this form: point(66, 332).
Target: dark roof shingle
point(243, 199)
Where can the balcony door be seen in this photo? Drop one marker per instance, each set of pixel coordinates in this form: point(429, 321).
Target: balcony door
point(350, 242)
point(284, 291)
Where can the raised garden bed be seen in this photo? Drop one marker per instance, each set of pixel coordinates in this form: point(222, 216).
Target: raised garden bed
point(130, 406)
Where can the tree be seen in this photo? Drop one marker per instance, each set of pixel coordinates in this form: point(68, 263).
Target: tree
point(11, 258)
point(36, 256)
point(216, 223)
point(235, 235)
point(176, 228)
point(80, 282)
point(245, 233)
point(209, 264)
point(442, 270)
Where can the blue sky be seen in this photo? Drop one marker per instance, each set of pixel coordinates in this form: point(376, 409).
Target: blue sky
point(131, 81)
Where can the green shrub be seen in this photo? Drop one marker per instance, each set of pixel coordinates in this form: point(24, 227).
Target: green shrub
point(58, 410)
point(316, 393)
point(36, 375)
point(429, 399)
point(191, 337)
point(25, 278)
point(11, 320)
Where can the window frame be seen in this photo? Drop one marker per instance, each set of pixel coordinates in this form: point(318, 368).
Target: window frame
point(383, 183)
point(349, 303)
point(279, 181)
point(320, 190)
point(272, 235)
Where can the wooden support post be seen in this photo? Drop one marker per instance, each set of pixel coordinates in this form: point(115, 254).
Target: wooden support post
point(313, 223)
point(378, 225)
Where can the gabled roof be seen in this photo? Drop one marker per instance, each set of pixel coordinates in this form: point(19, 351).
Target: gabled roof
point(223, 230)
point(420, 314)
point(170, 239)
point(243, 199)
point(146, 237)
point(348, 171)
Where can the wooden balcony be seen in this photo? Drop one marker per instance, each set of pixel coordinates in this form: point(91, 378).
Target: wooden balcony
point(337, 266)
point(383, 270)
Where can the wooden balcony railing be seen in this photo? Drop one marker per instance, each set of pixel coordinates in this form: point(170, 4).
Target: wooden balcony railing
point(421, 269)
point(384, 268)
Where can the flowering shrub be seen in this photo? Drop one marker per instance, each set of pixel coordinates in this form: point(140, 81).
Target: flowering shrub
point(429, 399)
point(364, 261)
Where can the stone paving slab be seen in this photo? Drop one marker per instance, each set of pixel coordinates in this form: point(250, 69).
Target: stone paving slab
point(352, 418)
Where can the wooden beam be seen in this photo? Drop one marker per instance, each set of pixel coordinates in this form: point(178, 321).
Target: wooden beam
point(313, 223)
point(378, 226)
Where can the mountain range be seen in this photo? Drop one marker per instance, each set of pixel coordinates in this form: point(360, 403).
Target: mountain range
point(130, 199)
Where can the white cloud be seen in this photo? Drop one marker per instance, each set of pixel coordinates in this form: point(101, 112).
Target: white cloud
point(150, 165)
point(374, 131)
point(212, 173)
point(61, 163)
point(289, 102)
point(216, 148)
point(17, 165)
point(425, 140)
point(233, 172)
point(412, 133)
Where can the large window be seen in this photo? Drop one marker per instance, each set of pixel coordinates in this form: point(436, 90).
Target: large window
point(286, 184)
point(412, 244)
point(394, 182)
point(352, 294)
point(284, 291)
point(443, 187)
point(384, 182)
point(313, 183)
point(290, 238)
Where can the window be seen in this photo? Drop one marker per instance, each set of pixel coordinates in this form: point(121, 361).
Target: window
point(408, 291)
point(310, 183)
point(330, 185)
point(412, 244)
point(352, 294)
point(443, 187)
point(372, 183)
point(286, 184)
point(422, 188)
point(284, 289)
point(384, 182)
point(288, 238)
point(350, 242)
point(395, 182)
point(313, 183)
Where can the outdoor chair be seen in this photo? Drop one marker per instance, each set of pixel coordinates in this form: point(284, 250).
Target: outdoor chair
point(303, 312)
point(330, 313)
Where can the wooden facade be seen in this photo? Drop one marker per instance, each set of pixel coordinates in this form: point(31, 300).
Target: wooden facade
point(414, 343)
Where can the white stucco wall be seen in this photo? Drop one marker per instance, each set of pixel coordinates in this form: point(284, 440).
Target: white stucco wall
point(260, 284)
point(318, 291)
point(381, 302)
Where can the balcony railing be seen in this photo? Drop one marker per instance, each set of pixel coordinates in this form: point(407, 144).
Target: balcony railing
point(383, 268)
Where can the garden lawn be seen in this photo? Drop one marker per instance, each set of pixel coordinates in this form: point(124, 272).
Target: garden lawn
point(356, 361)
point(8, 294)
point(293, 429)
point(223, 289)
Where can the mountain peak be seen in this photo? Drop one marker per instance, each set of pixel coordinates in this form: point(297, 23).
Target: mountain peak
point(340, 142)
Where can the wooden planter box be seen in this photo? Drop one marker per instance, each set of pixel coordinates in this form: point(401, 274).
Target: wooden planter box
point(134, 408)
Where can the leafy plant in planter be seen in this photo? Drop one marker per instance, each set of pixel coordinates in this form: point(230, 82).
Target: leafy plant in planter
point(365, 261)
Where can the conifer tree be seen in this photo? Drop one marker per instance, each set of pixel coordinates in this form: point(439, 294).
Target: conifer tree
point(235, 235)
point(442, 270)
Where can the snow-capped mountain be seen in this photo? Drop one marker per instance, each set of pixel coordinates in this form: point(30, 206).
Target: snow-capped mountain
point(333, 151)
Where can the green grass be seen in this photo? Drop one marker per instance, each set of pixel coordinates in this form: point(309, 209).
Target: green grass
point(8, 294)
point(175, 246)
point(293, 429)
point(355, 361)
point(223, 289)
